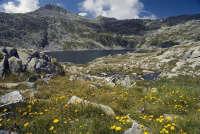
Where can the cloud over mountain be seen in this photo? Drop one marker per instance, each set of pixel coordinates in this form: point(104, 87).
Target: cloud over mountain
point(120, 9)
point(20, 6)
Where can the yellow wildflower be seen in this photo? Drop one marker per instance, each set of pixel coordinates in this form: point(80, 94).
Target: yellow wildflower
point(117, 117)
point(113, 127)
point(160, 120)
point(168, 118)
point(26, 124)
point(164, 131)
point(55, 121)
point(118, 129)
point(51, 128)
point(172, 128)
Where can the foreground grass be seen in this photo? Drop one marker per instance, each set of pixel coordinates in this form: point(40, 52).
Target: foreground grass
point(147, 103)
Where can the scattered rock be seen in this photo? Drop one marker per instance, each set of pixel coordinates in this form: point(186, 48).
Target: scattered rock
point(7, 132)
point(136, 129)
point(15, 65)
point(125, 81)
point(11, 98)
point(47, 78)
point(31, 64)
point(150, 75)
point(106, 109)
point(9, 85)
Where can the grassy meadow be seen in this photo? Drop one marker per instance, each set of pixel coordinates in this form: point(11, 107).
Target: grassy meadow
point(167, 106)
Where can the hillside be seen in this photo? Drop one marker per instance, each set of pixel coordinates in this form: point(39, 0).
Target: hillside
point(54, 28)
point(152, 90)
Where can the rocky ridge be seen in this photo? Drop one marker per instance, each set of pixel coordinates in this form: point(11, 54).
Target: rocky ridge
point(54, 28)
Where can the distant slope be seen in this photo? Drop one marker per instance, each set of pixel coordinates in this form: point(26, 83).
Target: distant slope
point(54, 28)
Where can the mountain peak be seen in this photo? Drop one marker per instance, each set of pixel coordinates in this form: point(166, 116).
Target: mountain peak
point(54, 8)
point(103, 18)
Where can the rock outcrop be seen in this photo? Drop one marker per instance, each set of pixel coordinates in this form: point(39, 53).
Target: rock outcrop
point(34, 62)
point(15, 65)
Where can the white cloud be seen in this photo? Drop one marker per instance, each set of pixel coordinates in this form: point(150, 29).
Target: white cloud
point(20, 6)
point(120, 9)
point(82, 14)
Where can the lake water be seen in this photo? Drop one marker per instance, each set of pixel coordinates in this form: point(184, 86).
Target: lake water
point(83, 57)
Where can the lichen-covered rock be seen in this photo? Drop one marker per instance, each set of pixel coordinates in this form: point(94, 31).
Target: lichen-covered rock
point(41, 63)
point(31, 64)
point(11, 98)
point(106, 109)
point(15, 65)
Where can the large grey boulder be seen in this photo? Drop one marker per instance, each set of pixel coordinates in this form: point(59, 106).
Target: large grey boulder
point(106, 109)
point(11, 98)
point(15, 65)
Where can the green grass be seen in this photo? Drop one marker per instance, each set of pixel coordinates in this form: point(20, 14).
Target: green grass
point(178, 96)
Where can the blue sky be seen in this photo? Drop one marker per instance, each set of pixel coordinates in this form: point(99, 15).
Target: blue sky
point(123, 9)
point(164, 8)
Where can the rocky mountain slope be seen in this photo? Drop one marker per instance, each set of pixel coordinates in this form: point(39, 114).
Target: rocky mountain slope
point(153, 90)
point(54, 28)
